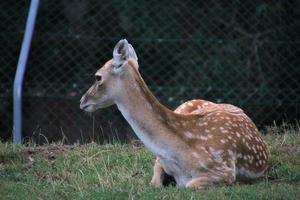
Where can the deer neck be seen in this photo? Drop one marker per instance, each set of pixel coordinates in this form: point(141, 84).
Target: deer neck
point(147, 117)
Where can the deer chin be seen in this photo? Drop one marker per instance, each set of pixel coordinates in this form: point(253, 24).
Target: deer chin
point(88, 107)
point(92, 107)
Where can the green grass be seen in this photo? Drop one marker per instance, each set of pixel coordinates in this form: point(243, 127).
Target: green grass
point(118, 171)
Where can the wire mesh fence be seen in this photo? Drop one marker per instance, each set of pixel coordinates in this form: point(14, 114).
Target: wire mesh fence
point(241, 52)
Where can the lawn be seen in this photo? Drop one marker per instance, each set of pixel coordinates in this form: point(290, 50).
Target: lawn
point(123, 171)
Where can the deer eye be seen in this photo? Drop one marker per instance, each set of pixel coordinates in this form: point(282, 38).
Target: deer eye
point(118, 66)
point(98, 78)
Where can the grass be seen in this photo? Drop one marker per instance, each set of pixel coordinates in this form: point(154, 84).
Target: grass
point(123, 171)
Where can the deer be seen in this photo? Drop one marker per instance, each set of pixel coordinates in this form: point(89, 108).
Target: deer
point(200, 144)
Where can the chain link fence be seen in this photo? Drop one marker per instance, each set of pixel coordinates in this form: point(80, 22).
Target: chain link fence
point(241, 52)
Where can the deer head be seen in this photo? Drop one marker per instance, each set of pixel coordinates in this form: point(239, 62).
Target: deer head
point(110, 79)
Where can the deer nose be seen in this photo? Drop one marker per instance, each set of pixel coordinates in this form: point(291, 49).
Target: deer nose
point(83, 103)
point(83, 106)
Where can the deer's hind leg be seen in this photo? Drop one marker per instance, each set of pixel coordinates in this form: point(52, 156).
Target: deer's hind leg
point(225, 175)
point(160, 177)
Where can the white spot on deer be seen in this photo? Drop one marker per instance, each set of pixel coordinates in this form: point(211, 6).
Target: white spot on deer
point(254, 150)
point(195, 155)
point(178, 110)
point(230, 152)
point(248, 146)
point(234, 125)
point(224, 131)
point(201, 137)
point(190, 104)
point(258, 147)
point(223, 141)
point(243, 140)
point(265, 156)
point(200, 124)
point(260, 140)
point(203, 149)
point(188, 134)
point(208, 159)
point(210, 149)
point(251, 159)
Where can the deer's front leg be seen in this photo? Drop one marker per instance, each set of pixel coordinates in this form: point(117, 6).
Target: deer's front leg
point(158, 174)
point(160, 177)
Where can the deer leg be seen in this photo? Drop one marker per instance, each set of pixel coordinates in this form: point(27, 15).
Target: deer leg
point(205, 181)
point(226, 176)
point(160, 177)
point(158, 174)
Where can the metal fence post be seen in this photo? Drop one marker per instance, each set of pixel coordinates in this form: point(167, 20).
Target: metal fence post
point(17, 91)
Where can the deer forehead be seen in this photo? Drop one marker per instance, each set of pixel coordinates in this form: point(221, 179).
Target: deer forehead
point(105, 67)
point(131, 63)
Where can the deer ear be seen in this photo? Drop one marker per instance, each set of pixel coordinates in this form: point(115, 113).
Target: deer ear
point(122, 52)
point(132, 53)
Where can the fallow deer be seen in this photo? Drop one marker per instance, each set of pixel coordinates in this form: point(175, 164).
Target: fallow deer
point(200, 144)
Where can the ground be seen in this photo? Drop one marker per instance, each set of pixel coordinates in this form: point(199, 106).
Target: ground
point(123, 171)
